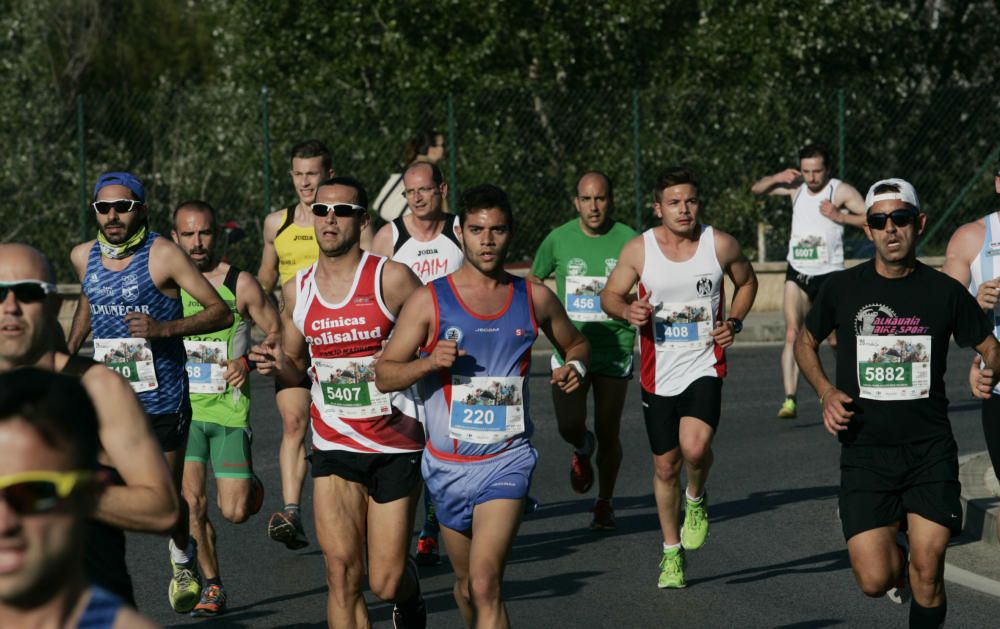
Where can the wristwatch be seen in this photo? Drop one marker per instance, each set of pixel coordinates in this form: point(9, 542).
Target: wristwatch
point(737, 324)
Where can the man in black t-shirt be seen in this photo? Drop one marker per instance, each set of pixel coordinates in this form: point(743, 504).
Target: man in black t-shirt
point(894, 317)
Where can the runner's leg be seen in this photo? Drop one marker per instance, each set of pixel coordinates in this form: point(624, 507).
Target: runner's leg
point(341, 508)
point(293, 406)
point(459, 545)
point(696, 448)
point(494, 526)
point(667, 490)
point(609, 401)
point(875, 559)
point(795, 305)
point(928, 541)
point(201, 528)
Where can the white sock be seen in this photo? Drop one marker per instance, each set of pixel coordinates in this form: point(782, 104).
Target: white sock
point(181, 556)
point(692, 499)
point(667, 546)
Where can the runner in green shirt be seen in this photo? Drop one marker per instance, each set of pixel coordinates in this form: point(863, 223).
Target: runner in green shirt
point(582, 253)
point(218, 372)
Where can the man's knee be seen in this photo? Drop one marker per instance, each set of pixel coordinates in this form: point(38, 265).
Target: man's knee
point(667, 467)
point(385, 584)
point(343, 577)
point(235, 511)
point(484, 588)
point(294, 424)
point(927, 568)
point(197, 505)
point(873, 583)
point(697, 452)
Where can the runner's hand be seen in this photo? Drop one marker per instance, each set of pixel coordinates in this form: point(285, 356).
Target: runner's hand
point(567, 378)
point(829, 210)
point(981, 380)
point(788, 176)
point(378, 354)
point(639, 311)
point(988, 293)
point(835, 415)
point(142, 325)
point(723, 334)
point(445, 354)
point(236, 372)
point(269, 358)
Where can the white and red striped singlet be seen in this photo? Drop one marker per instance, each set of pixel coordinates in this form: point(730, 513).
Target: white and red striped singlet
point(347, 411)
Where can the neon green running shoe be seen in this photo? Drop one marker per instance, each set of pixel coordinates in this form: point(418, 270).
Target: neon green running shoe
point(672, 569)
point(694, 532)
point(185, 585)
point(787, 410)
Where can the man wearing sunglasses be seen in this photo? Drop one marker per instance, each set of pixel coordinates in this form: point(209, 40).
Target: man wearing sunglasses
point(821, 206)
point(142, 498)
point(427, 239)
point(131, 280)
point(218, 373)
point(894, 317)
point(366, 443)
point(48, 490)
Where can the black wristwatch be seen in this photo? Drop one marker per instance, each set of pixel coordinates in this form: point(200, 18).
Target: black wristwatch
point(737, 324)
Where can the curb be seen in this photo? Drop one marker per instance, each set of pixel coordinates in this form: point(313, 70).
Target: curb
point(980, 505)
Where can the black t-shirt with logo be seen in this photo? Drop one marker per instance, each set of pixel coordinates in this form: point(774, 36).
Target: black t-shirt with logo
point(892, 348)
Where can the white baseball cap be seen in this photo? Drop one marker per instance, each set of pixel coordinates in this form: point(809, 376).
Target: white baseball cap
point(906, 193)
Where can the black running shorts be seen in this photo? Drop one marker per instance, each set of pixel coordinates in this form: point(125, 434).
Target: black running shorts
point(171, 429)
point(810, 284)
point(387, 477)
point(702, 399)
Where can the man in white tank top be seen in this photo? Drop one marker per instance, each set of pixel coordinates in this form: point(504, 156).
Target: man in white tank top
point(683, 331)
point(821, 206)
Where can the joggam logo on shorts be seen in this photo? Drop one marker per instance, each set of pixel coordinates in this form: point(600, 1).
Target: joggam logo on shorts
point(880, 320)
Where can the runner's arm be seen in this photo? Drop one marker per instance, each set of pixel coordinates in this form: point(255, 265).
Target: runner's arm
point(148, 501)
point(989, 349)
point(399, 367)
point(286, 359)
point(382, 242)
point(398, 283)
point(267, 275)
point(963, 246)
point(568, 341)
point(741, 272)
point(253, 304)
point(847, 196)
point(616, 299)
point(781, 184)
point(80, 329)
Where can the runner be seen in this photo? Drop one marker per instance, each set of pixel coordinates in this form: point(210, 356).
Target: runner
point(900, 464)
point(427, 240)
point(130, 299)
point(290, 246)
point(821, 206)
point(474, 329)
point(218, 370)
point(683, 332)
point(582, 252)
point(366, 444)
point(141, 496)
point(48, 432)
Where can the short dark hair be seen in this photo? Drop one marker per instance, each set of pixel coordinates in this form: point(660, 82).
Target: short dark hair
point(420, 144)
point(313, 148)
point(436, 175)
point(673, 176)
point(350, 182)
point(198, 206)
point(485, 196)
point(56, 406)
point(602, 174)
point(817, 149)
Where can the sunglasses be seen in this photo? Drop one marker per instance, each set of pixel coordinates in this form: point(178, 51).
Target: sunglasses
point(32, 493)
point(900, 218)
point(121, 206)
point(26, 291)
point(340, 210)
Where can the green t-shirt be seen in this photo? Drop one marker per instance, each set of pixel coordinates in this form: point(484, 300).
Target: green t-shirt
point(212, 399)
point(582, 265)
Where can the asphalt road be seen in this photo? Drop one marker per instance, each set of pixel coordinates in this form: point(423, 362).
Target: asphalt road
point(775, 557)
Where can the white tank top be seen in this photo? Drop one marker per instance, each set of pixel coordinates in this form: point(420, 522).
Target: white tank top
point(816, 245)
point(675, 346)
point(986, 266)
point(430, 259)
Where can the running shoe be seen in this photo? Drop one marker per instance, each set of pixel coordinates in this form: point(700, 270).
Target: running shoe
point(212, 603)
point(413, 615)
point(185, 584)
point(581, 472)
point(256, 495)
point(694, 532)
point(427, 551)
point(901, 594)
point(787, 410)
point(286, 527)
point(672, 569)
point(604, 516)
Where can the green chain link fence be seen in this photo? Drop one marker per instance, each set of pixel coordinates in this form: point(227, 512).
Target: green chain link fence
point(230, 148)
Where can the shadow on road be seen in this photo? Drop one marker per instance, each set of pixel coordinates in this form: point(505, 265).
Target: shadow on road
point(825, 562)
point(760, 501)
point(812, 624)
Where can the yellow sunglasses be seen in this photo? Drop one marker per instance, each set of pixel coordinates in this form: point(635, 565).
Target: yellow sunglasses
point(41, 491)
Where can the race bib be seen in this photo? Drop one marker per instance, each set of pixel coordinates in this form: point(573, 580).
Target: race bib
point(348, 387)
point(132, 358)
point(486, 409)
point(894, 367)
point(683, 325)
point(583, 302)
point(205, 359)
point(808, 249)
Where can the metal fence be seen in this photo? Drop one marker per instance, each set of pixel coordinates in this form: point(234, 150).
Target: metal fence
point(230, 148)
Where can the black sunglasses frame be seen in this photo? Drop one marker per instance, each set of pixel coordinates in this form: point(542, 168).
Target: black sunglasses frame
point(900, 218)
point(25, 292)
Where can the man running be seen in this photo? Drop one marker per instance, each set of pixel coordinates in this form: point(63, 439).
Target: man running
point(427, 240)
point(821, 206)
point(366, 444)
point(894, 317)
point(130, 299)
point(474, 329)
point(683, 332)
point(582, 252)
point(218, 372)
point(48, 489)
point(141, 495)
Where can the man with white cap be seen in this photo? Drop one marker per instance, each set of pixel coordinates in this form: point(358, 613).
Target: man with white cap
point(899, 489)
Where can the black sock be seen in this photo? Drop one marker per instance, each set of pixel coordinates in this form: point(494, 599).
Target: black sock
point(790, 397)
point(927, 617)
point(213, 581)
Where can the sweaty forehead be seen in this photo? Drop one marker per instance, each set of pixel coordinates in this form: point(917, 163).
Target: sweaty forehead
point(337, 194)
point(19, 262)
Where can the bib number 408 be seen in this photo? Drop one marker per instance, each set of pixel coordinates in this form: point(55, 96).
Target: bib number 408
point(477, 416)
